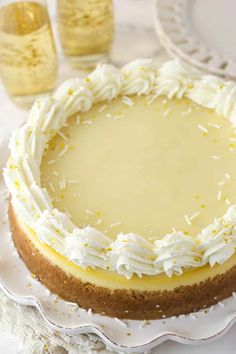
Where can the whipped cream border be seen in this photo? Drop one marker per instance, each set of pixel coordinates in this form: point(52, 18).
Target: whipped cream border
point(130, 253)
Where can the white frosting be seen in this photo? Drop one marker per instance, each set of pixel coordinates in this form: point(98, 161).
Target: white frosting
point(128, 254)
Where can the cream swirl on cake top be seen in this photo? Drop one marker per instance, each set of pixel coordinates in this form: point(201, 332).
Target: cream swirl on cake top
point(129, 253)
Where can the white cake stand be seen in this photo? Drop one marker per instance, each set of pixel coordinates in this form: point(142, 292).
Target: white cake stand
point(201, 33)
point(127, 336)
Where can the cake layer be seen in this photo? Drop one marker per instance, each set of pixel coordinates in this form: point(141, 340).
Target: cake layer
point(108, 293)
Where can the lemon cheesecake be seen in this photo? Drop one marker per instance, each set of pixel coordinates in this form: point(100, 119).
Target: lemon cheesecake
point(123, 190)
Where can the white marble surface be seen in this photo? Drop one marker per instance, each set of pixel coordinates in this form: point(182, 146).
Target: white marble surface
point(135, 37)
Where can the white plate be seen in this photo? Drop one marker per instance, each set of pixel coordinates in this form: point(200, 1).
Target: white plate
point(126, 336)
point(201, 33)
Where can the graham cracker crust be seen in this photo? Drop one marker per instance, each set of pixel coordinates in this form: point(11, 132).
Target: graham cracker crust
point(129, 304)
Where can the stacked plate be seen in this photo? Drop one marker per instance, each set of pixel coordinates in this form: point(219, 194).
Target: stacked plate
point(200, 33)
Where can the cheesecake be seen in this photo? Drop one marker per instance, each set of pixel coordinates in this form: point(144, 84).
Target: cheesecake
point(122, 190)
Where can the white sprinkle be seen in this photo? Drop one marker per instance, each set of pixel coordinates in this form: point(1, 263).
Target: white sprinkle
point(227, 201)
point(211, 308)
point(234, 294)
point(89, 212)
point(187, 112)
point(118, 116)
point(143, 324)
point(173, 317)
point(127, 100)
point(87, 122)
point(90, 311)
point(72, 304)
point(192, 316)
point(55, 173)
point(216, 157)
point(51, 186)
point(205, 130)
point(215, 297)
point(63, 151)
point(62, 184)
point(78, 120)
point(99, 221)
point(188, 221)
point(221, 304)
point(51, 162)
point(62, 135)
point(165, 114)
point(232, 139)
point(173, 229)
point(122, 323)
point(76, 194)
point(194, 216)
point(157, 306)
point(68, 214)
point(219, 195)
point(73, 181)
point(115, 224)
point(181, 317)
point(217, 126)
point(108, 115)
point(102, 108)
point(221, 183)
point(227, 176)
point(164, 101)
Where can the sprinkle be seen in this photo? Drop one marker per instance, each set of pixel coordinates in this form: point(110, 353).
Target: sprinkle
point(118, 116)
point(173, 230)
point(90, 311)
point(221, 183)
point(108, 115)
point(87, 122)
point(181, 317)
point(188, 221)
point(72, 304)
point(189, 110)
point(216, 157)
point(99, 221)
point(62, 184)
point(227, 176)
point(173, 317)
point(55, 173)
point(165, 114)
point(219, 194)
point(194, 216)
point(232, 139)
point(51, 162)
point(143, 324)
point(89, 212)
point(202, 128)
point(78, 119)
point(51, 186)
point(227, 201)
point(157, 306)
point(192, 316)
point(62, 135)
point(217, 126)
point(63, 151)
point(128, 101)
point(164, 101)
point(122, 323)
point(234, 295)
point(115, 224)
point(73, 181)
point(211, 308)
point(221, 304)
point(102, 108)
